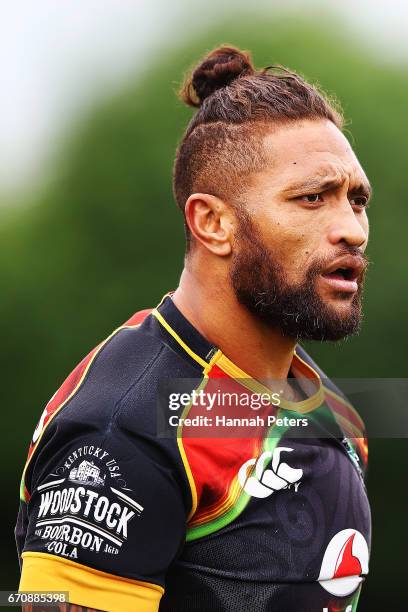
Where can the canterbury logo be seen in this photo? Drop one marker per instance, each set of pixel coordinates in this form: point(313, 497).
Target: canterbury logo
point(263, 482)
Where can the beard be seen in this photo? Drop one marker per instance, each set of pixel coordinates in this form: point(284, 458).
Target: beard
point(297, 310)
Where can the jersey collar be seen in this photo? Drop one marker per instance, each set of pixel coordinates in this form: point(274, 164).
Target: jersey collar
point(184, 336)
point(184, 333)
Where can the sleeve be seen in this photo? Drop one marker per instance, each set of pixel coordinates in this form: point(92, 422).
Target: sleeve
point(106, 517)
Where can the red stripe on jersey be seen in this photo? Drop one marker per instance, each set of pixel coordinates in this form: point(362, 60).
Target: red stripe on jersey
point(138, 317)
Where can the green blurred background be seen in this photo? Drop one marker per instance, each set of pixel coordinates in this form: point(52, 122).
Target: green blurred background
point(102, 238)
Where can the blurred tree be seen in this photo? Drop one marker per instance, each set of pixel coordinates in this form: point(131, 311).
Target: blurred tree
point(105, 239)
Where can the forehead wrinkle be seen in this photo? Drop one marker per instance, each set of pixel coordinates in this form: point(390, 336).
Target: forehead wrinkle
point(330, 176)
point(315, 182)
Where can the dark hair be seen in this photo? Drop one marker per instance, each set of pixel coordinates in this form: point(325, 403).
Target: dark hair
point(222, 145)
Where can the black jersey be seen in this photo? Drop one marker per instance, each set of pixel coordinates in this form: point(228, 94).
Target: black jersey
point(125, 519)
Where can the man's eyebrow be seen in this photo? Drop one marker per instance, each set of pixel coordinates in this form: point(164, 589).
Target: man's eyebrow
point(323, 184)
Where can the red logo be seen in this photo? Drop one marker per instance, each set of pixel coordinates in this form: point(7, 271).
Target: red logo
point(345, 562)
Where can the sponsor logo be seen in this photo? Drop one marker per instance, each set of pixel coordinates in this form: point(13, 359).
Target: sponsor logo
point(86, 505)
point(87, 473)
point(345, 562)
point(259, 481)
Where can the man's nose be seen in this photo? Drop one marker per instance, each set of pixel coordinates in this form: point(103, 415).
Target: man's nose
point(348, 227)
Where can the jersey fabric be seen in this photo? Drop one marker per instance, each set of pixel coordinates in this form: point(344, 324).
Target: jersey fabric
point(125, 519)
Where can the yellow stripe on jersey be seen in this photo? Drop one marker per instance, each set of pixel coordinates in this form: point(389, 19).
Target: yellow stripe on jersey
point(181, 342)
point(86, 586)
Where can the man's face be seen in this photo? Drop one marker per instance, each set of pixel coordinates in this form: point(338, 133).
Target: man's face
point(298, 260)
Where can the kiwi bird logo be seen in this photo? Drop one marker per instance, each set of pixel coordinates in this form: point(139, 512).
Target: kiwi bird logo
point(263, 482)
point(345, 563)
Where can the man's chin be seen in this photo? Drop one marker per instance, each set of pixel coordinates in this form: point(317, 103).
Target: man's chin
point(339, 319)
point(332, 317)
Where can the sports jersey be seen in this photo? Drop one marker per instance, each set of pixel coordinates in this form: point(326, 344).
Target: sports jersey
point(125, 519)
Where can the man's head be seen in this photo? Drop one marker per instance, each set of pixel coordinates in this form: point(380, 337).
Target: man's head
point(271, 188)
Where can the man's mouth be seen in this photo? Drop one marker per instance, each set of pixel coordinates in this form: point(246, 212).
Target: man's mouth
point(344, 273)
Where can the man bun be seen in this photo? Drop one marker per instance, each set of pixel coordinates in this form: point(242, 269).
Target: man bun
point(218, 69)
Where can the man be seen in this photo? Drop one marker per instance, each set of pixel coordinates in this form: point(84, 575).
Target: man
point(274, 202)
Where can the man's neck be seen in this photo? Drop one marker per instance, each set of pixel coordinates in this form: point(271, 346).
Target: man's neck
point(261, 352)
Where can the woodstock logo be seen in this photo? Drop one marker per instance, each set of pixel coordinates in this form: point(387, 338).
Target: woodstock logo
point(87, 473)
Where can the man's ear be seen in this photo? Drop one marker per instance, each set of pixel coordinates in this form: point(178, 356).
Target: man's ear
point(211, 221)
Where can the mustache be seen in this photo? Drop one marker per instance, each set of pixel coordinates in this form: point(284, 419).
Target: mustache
point(321, 264)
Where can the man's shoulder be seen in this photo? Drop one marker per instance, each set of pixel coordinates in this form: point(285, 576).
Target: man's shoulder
point(108, 370)
point(132, 357)
point(116, 382)
point(110, 396)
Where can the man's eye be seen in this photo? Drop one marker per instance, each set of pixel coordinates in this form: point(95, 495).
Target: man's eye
point(311, 198)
